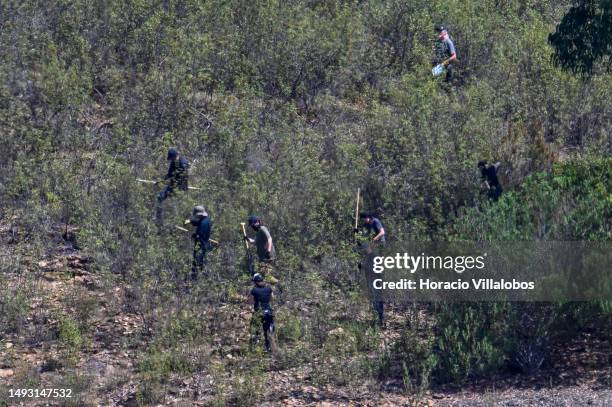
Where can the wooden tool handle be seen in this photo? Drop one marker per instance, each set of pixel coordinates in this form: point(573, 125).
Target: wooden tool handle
point(246, 242)
point(146, 181)
point(357, 209)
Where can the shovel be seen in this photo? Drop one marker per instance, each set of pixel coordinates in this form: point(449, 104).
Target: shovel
point(148, 181)
point(182, 229)
point(357, 209)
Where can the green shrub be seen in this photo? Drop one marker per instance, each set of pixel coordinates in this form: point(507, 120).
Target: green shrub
point(244, 389)
point(85, 306)
point(532, 329)
point(284, 109)
point(289, 327)
point(365, 335)
point(71, 338)
point(14, 306)
point(155, 368)
point(471, 339)
point(412, 358)
point(79, 383)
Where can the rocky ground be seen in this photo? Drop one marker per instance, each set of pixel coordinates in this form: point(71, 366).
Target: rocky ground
point(102, 372)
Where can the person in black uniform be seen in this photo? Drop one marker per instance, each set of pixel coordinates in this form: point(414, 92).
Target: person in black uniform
point(177, 176)
point(488, 174)
point(201, 237)
point(260, 297)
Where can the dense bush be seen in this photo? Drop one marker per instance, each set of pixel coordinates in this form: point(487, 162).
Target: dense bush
point(284, 108)
point(570, 203)
point(471, 340)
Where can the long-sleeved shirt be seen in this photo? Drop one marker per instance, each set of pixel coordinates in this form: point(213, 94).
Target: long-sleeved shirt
point(202, 234)
point(489, 174)
point(178, 173)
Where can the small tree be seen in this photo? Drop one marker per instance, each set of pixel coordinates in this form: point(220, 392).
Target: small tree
point(584, 37)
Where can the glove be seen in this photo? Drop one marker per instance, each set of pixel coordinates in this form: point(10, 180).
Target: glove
point(246, 238)
point(355, 230)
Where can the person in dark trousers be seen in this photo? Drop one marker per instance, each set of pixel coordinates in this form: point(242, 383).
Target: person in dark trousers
point(488, 175)
point(203, 226)
point(445, 51)
point(373, 225)
point(261, 296)
point(177, 176)
point(266, 252)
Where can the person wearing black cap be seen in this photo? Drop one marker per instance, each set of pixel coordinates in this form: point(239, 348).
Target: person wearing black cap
point(265, 247)
point(445, 51)
point(261, 296)
point(200, 220)
point(178, 173)
point(488, 174)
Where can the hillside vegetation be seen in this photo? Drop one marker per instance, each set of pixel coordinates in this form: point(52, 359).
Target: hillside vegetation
point(284, 108)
